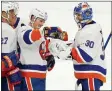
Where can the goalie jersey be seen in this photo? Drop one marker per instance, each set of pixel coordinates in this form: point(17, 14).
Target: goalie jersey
point(88, 53)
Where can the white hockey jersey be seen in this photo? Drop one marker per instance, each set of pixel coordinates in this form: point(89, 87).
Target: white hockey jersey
point(9, 38)
point(30, 42)
point(88, 53)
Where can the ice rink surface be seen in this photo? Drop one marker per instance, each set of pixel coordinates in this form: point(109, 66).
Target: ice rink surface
point(61, 14)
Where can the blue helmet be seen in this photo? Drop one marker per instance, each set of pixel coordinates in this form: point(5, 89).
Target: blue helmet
point(84, 10)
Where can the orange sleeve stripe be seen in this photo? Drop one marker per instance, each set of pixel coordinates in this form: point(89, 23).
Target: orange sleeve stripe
point(35, 35)
point(76, 56)
point(33, 74)
point(28, 83)
point(90, 75)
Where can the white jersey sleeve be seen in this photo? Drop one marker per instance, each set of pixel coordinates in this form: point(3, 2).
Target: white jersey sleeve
point(30, 42)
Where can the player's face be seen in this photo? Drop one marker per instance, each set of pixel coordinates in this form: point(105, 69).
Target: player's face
point(12, 17)
point(78, 17)
point(4, 14)
point(39, 23)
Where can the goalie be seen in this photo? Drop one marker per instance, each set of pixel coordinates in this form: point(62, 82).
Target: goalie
point(87, 51)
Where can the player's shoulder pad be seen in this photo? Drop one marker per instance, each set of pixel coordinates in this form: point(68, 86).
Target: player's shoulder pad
point(92, 28)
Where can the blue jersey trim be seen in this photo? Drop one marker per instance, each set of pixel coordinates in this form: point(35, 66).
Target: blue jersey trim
point(85, 56)
point(26, 37)
point(84, 24)
point(17, 22)
point(90, 68)
point(34, 67)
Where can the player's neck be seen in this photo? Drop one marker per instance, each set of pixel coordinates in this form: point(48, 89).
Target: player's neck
point(4, 20)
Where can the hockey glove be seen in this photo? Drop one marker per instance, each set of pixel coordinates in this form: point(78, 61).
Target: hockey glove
point(59, 49)
point(63, 36)
point(46, 31)
point(56, 33)
point(14, 76)
point(50, 62)
point(9, 61)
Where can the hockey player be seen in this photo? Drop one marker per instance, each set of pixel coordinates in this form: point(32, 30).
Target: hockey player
point(11, 76)
point(87, 52)
point(34, 56)
point(18, 24)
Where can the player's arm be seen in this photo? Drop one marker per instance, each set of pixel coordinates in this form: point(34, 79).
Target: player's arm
point(55, 32)
point(28, 35)
point(31, 36)
point(46, 55)
point(84, 53)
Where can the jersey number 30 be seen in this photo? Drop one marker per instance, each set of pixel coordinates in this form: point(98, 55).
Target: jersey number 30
point(4, 40)
point(89, 43)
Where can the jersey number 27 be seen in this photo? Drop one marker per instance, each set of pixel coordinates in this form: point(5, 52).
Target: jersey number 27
point(4, 40)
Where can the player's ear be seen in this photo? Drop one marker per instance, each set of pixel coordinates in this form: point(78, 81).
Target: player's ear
point(4, 14)
point(32, 18)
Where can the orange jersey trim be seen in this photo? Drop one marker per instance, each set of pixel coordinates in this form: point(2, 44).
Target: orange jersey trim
point(35, 35)
point(90, 75)
point(76, 56)
point(91, 85)
point(33, 74)
point(28, 83)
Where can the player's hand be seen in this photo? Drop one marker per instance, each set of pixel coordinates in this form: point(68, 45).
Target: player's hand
point(14, 76)
point(9, 61)
point(64, 36)
point(46, 29)
point(50, 62)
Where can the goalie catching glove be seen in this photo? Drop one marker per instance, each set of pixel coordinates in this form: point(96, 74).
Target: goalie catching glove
point(59, 49)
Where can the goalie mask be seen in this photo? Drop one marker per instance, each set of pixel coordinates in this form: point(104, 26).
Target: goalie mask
point(84, 13)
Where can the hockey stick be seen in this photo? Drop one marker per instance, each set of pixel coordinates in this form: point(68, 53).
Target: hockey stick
point(109, 37)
